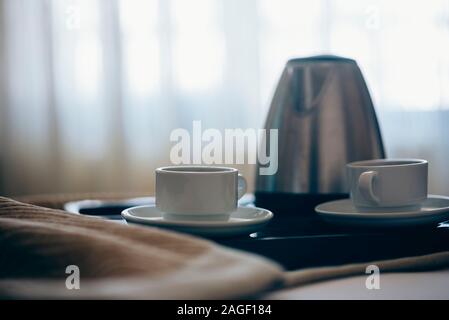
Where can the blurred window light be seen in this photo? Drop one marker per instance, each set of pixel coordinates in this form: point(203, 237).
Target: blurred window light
point(109, 79)
point(401, 46)
point(87, 65)
point(81, 35)
point(140, 41)
point(391, 45)
point(198, 45)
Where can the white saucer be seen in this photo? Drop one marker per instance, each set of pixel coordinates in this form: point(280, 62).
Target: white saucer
point(434, 209)
point(244, 220)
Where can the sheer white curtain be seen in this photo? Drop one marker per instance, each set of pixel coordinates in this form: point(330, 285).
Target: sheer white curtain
point(90, 89)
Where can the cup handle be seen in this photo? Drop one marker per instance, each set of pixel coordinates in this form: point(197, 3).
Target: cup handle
point(241, 186)
point(365, 186)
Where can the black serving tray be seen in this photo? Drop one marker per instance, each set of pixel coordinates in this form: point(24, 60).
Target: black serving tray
point(298, 238)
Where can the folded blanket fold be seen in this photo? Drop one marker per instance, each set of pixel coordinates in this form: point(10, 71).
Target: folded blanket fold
point(434, 261)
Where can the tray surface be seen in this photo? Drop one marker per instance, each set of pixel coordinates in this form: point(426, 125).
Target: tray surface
point(297, 237)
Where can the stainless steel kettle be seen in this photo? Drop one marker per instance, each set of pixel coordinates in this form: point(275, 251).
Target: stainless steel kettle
point(325, 119)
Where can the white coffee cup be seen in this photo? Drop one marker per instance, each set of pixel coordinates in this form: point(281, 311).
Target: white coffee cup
point(393, 184)
point(198, 192)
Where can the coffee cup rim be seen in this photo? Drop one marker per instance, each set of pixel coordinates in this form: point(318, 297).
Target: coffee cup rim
point(383, 163)
point(191, 169)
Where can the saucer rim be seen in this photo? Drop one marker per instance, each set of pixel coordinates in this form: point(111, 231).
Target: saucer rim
point(210, 224)
point(382, 214)
point(247, 199)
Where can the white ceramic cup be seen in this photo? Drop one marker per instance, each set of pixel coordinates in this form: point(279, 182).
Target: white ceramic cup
point(395, 184)
point(198, 192)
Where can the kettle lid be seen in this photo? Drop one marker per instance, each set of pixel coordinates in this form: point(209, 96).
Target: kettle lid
point(321, 58)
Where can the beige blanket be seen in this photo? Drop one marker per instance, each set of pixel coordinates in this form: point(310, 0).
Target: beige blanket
point(130, 262)
point(118, 261)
